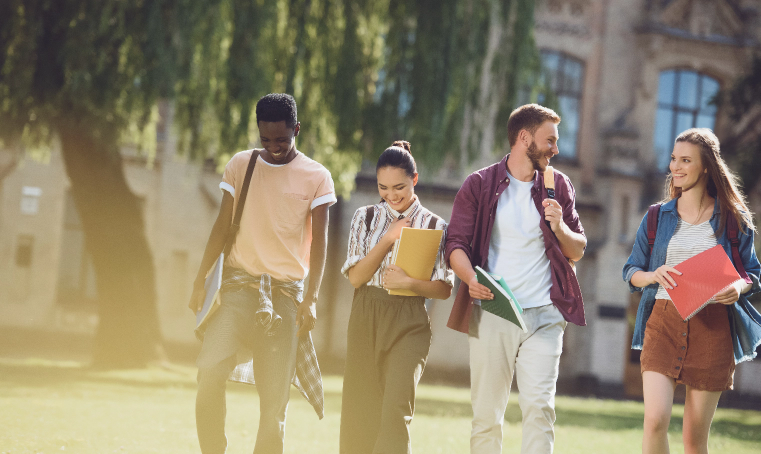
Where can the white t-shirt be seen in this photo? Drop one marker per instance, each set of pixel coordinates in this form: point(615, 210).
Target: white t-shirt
point(516, 248)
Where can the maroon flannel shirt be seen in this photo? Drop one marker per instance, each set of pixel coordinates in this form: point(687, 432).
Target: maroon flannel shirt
point(470, 228)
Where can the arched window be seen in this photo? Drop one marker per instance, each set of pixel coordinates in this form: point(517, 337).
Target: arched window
point(565, 76)
point(685, 100)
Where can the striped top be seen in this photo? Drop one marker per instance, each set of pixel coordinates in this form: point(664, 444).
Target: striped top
point(688, 241)
point(361, 241)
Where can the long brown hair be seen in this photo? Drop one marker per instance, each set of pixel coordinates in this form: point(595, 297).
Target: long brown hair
point(722, 182)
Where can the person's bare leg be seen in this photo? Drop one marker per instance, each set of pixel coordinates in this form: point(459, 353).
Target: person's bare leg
point(658, 391)
point(699, 408)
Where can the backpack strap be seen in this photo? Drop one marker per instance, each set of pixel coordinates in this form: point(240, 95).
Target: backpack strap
point(369, 214)
point(235, 226)
point(652, 224)
point(432, 223)
point(732, 232)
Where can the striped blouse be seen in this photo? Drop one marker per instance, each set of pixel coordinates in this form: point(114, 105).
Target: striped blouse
point(361, 241)
point(688, 241)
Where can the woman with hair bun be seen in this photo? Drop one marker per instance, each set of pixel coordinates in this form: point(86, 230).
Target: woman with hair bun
point(389, 335)
point(703, 207)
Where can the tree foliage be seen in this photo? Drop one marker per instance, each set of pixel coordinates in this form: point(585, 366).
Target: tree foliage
point(437, 72)
point(743, 142)
point(440, 73)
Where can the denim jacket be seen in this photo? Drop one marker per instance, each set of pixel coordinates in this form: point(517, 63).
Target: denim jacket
point(744, 319)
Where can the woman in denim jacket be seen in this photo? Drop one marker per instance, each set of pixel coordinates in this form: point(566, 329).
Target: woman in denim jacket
point(702, 351)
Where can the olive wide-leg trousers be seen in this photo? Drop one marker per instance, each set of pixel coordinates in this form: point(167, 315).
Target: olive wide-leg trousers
point(388, 342)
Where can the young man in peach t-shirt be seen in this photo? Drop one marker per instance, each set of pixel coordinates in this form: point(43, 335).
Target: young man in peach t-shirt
point(282, 236)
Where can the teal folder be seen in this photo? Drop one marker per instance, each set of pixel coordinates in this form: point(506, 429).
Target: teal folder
point(504, 304)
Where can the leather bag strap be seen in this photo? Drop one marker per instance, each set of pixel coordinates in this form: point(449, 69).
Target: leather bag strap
point(235, 226)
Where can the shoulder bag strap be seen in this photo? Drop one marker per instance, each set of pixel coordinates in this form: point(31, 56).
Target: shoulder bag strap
point(652, 224)
point(732, 232)
point(235, 226)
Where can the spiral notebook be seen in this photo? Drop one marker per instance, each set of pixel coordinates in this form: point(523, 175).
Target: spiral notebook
point(703, 276)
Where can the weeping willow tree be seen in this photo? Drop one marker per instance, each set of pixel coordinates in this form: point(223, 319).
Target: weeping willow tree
point(449, 78)
point(742, 143)
point(443, 74)
point(88, 74)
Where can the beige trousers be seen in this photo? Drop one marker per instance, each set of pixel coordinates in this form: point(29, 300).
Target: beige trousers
point(499, 350)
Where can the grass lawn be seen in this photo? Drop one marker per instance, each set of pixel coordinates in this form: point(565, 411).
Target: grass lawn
point(53, 407)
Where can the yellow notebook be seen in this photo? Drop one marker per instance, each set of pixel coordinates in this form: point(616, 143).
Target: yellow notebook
point(415, 252)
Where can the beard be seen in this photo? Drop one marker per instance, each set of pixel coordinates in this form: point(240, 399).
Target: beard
point(535, 156)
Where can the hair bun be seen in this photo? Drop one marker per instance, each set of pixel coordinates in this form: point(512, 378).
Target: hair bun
point(402, 144)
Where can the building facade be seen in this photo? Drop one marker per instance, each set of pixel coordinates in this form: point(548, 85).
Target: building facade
point(630, 75)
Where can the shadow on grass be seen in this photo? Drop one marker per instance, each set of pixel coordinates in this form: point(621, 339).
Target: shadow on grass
point(52, 376)
point(49, 375)
point(569, 418)
point(721, 427)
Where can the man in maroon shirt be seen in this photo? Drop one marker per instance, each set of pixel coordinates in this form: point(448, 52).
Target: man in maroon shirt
point(504, 222)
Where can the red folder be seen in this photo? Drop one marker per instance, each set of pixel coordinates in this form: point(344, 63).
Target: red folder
point(703, 276)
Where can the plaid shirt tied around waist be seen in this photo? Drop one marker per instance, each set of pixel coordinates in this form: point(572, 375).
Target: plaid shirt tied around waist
point(308, 379)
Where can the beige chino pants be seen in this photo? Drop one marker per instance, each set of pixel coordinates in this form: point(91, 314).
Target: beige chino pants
point(498, 350)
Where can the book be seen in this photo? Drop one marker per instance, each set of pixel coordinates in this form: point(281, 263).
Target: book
point(501, 281)
point(504, 304)
point(212, 286)
point(415, 252)
point(703, 276)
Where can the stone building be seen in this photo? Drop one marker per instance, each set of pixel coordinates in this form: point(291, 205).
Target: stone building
point(631, 75)
point(628, 75)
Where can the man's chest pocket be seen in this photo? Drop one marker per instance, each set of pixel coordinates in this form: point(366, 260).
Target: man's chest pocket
point(291, 210)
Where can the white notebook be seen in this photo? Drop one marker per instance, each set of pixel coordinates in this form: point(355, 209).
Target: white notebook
point(211, 286)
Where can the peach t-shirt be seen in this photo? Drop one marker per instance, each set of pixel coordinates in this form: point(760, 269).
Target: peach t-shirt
point(275, 233)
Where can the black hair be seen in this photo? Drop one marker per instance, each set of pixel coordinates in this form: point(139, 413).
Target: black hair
point(398, 155)
point(276, 107)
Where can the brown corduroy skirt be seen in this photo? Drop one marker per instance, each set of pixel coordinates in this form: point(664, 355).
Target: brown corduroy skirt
point(697, 352)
